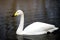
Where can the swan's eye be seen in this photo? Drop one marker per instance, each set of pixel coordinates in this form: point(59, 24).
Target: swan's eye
point(17, 12)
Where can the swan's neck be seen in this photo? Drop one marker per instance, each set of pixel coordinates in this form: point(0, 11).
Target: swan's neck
point(21, 24)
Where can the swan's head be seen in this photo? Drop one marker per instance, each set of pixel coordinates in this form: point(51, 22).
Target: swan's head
point(18, 12)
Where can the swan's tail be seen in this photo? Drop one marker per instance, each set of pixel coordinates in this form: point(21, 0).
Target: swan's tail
point(53, 29)
point(56, 28)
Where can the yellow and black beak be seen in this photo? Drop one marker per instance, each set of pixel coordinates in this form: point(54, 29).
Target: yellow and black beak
point(15, 14)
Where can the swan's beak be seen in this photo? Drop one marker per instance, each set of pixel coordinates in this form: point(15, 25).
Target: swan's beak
point(15, 14)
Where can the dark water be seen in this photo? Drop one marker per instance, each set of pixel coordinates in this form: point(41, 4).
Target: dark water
point(47, 11)
point(37, 37)
point(40, 37)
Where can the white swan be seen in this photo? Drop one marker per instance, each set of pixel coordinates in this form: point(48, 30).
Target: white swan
point(36, 28)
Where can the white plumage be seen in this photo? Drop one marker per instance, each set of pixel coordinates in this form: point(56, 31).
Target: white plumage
point(36, 28)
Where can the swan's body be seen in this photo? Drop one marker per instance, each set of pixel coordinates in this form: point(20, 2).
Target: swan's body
point(35, 28)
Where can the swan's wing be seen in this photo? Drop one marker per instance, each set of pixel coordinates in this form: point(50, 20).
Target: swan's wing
point(38, 27)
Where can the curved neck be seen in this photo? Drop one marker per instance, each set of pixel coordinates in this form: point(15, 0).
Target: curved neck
point(21, 24)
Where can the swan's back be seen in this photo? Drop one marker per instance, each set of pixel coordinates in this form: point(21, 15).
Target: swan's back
point(38, 27)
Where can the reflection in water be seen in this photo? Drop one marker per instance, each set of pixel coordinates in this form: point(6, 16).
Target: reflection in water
point(52, 36)
point(37, 37)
